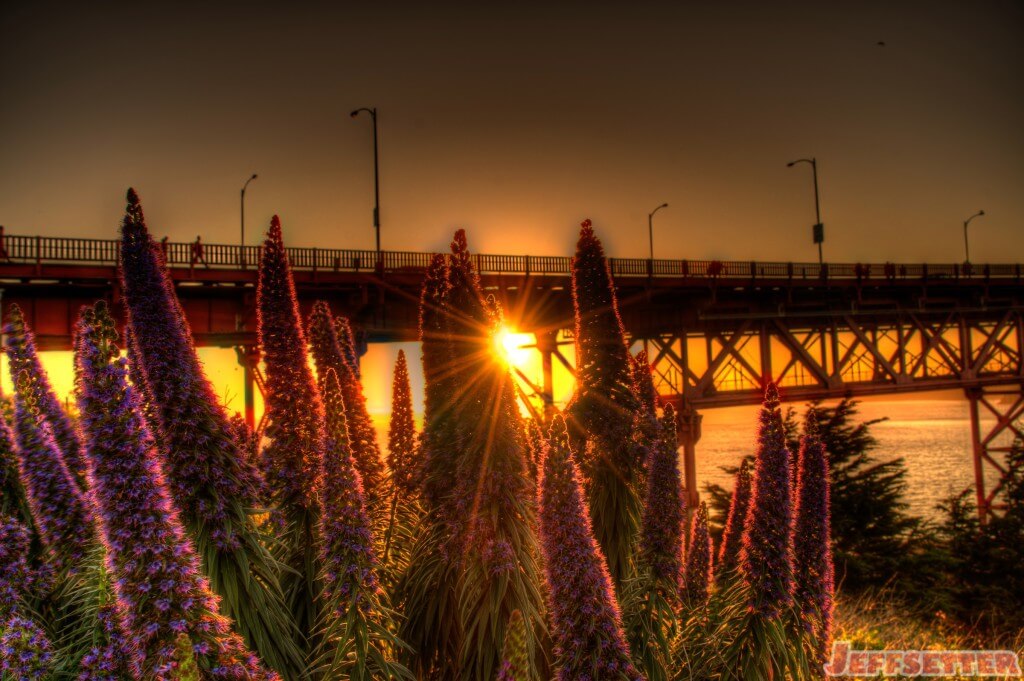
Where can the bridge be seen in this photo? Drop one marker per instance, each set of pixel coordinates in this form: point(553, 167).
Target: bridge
point(715, 331)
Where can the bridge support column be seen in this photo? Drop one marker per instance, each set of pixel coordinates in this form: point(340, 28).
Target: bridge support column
point(688, 422)
point(991, 442)
point(547, 345)
point(248, 358)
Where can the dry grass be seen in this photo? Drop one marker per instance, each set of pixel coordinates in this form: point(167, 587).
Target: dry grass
point(880, 621)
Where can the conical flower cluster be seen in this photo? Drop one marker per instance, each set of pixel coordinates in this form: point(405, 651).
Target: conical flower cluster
point(355, 640)
point(21, 351)
point(402, 432)
point(211, 483)
point(698, 578)
point(160, 590)
point(812, 546)
point(766, 556)
point(15, 574)
point(602, 410)
point(13, 502)
point(664, 512)
point(732, 538)
point(589, 640)
point(328, 354)
point(515, 661)
point(293, 458)
point(60, 509)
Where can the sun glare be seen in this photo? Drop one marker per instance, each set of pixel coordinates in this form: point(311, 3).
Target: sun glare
point(513, 347)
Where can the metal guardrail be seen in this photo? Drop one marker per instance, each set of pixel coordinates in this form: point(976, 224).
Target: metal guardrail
point(15, 249)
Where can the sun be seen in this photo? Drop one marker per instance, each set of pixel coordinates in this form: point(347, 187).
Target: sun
point(513, 347)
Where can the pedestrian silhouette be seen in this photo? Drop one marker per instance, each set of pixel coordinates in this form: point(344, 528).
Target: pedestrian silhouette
point(197, 253)
point(3, 245)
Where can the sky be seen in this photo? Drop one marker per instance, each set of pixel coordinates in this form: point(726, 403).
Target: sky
point(516, 121)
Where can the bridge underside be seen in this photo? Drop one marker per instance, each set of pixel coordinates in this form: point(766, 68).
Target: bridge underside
point(713, 340)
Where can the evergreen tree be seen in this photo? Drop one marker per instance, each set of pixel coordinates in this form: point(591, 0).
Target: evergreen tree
point(586, 627)
point(161, 593)
point(210, 481)
point(329, 354)
point(295, 427)
point(355, 633)
point(601, 411)
point(21, 351)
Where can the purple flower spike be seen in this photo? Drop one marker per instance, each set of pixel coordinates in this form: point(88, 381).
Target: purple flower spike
point(21, 350)
point(697, 582)
point(60, 510)
point(767, 553)
point(663, 517)
point(589, 640)
point(812, 549)
point(210, 481)
point(328, 354)
point(732, 539)
point(159, 587)
point(294, 409)
point(25, 652)
point(402, 431)
point(15, 574)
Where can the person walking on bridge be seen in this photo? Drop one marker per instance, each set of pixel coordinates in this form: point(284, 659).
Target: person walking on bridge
point(197, 253)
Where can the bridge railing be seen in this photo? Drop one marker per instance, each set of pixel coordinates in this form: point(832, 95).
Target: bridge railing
point(15, 249)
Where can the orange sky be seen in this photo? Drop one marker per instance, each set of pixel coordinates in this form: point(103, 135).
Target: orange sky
point(516, 121)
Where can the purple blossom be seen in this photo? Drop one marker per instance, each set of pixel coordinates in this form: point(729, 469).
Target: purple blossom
point(21, 350)
point(108, 661)
point(402, 432)
point(15, 573)
point(328, 354)
point(732, 538)
point(61, 512)
point(25, 652)
point(767, 552)
point(147, 550)
point(812, 549)
point(295, 412)
point(210, 481)
point(663, 517)
point(699, 571)
point(589, 640)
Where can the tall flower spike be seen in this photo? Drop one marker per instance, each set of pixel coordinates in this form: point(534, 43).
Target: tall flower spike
point(602, 410)
point(15, 574)
point(812, 550)
point(160, 590)
point(402, 431)
point(698, 578)
point(12, 495)
point(25, 652)
point(347, 343)
point(295, 424)
point(732, 538)
point(329, 355)
point(210, 482)
point(21, 350)
point(355, 639)
point(589, 641)
point(767, 552)
point(61, 513)
point(663, 517)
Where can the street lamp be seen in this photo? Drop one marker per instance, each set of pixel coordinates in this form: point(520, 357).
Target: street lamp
point(376, 176)
point(819, 228)
point(967, 250)
point(650, 229)
point(241, 257)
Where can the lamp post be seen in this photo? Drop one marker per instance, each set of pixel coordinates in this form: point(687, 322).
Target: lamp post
point(819, 228)
point(967, 249)
point(650, 230)
point(241, 256)
point(376, 176)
